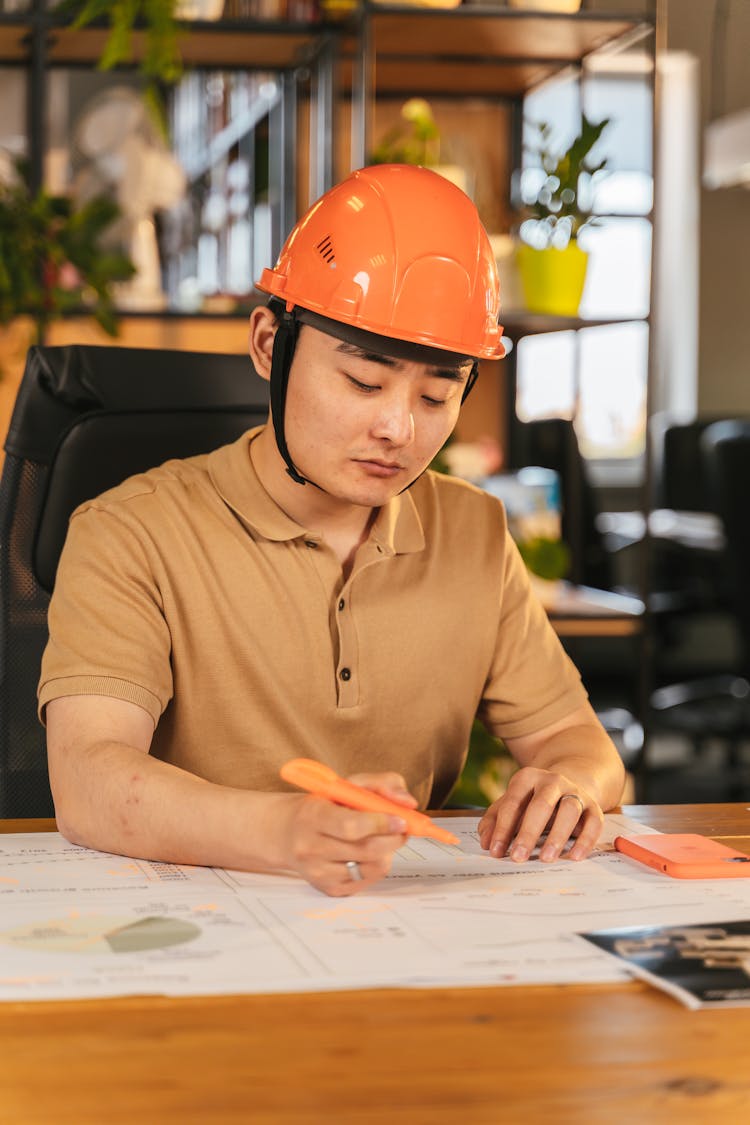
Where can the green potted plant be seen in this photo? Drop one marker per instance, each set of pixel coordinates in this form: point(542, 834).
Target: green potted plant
point(53, 257)
point(415, 139)
point(551, 263)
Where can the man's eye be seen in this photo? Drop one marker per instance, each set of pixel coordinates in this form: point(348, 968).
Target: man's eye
point(434, 401)
point(366, 388)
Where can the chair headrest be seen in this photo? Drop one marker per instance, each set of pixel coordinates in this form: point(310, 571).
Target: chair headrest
point(60, 384)
point(104, 448)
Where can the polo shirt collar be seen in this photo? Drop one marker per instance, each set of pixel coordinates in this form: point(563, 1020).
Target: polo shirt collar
point(397, 527)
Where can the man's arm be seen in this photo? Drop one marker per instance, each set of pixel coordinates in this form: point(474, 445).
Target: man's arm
point(570, 772)
point(111, 794)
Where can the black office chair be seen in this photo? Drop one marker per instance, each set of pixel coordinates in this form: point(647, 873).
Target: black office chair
point(686, 578)
point(715, 708)
point(85, 419)
point(551, 443)
point(607, 669)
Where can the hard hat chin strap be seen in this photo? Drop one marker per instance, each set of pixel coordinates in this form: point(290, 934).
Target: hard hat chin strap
point(473, 376)
point(285, 341)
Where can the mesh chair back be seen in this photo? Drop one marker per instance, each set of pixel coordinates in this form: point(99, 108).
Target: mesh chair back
point(725, 448)
point(86, 418)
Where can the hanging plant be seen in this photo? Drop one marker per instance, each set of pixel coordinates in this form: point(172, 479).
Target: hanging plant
point(161, 64)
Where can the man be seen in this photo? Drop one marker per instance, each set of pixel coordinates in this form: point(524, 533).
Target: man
point(311, 591)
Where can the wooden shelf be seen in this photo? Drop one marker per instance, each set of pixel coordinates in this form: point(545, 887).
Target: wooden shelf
point(14, 40)
point(482, 51)
point(494, 33)
point(254, 47)
point(495, 52)
point(519, 322)
point(220, 44)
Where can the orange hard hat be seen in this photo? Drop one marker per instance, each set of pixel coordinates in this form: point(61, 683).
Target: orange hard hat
point(398, 251)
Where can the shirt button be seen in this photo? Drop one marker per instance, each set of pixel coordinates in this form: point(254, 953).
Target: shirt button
point(342, 604)
point(311, 544)
point(345, 674)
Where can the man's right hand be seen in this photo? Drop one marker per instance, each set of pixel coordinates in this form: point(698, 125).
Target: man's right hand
point(323, 837)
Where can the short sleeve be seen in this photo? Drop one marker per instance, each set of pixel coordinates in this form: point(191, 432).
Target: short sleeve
point(107, 630)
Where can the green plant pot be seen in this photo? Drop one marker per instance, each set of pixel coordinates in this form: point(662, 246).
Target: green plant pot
point(553, 280)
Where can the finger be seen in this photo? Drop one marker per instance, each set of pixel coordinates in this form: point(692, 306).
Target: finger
point(568, 815)
point(350, 825)
point(589, 835)
point(337, 879)
point(500, 827)
point(374, 850)
point(533, 823)
point(391, 785)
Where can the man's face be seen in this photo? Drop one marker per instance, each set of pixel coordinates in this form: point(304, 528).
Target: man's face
point(364, 426)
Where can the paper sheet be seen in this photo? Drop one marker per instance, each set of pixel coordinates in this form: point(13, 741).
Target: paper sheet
point(80, 923)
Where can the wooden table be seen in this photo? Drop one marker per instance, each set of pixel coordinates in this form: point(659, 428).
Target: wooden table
point(618, 1054)
point(582, 611)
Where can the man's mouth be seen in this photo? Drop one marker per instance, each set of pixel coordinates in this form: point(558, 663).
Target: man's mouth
point(379, 467)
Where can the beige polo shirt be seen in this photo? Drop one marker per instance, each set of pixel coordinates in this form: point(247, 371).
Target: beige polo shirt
point(188, 591)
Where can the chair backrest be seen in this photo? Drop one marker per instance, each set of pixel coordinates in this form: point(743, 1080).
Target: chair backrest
point(679, 482)
point(551, 443)
point(86, 418)
point(725, 448)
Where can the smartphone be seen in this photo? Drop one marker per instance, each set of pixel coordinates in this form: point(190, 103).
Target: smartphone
point(686, 855)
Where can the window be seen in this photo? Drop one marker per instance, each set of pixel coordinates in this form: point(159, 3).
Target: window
point(597, 376)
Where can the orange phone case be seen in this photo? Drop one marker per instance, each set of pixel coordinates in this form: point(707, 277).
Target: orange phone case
point(686, 855)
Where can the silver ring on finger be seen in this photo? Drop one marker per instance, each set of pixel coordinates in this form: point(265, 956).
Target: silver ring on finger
point(574, 797)
point(354, 871)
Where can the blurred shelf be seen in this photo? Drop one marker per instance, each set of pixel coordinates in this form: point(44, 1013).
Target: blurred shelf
point(14, 39)
point(519, 322)
point(221, 44)
point(231, 44)
point(479, 51)
point(483, 50)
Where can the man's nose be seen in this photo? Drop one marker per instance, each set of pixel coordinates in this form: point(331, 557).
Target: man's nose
point(395, 422)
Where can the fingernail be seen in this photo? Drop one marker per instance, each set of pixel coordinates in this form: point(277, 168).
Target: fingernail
point(576, 853)
point(548, 852)
point(519, 853)
point(497, 850)
point(396, 824)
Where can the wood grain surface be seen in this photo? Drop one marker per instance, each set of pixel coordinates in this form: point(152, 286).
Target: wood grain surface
point(622, 1055)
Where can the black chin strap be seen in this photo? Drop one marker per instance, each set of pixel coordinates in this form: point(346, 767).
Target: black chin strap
point(284, 344)
point(473, 376)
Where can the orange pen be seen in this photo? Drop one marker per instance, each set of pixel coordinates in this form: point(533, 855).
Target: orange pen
point(325, 782)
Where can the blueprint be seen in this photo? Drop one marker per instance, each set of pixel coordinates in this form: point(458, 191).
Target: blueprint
point(81, 923)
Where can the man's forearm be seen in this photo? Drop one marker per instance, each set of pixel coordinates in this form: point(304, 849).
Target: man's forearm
point(118, 799)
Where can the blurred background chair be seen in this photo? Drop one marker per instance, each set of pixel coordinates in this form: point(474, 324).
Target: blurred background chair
point(551, 443)
point(86, 418)
point(712, 711)
point(607, 664)
point(689, 566)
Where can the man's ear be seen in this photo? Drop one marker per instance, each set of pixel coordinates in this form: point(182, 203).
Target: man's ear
point(263, 326)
